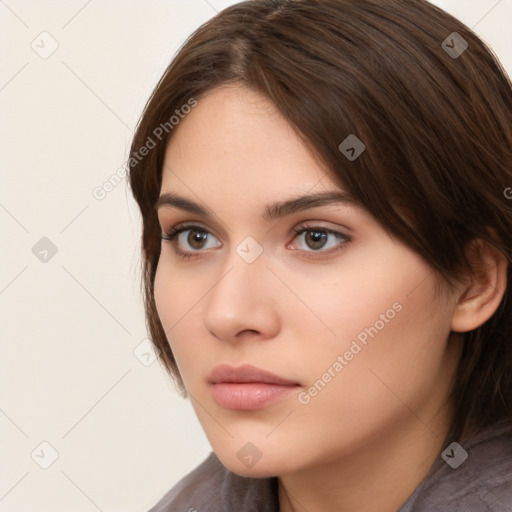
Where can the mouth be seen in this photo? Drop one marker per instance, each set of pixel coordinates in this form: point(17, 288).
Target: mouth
point(247, 387)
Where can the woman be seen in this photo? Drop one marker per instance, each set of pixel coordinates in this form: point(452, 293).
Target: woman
point(327, 248)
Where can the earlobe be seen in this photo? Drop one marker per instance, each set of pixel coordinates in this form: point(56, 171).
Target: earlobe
point(484, 289)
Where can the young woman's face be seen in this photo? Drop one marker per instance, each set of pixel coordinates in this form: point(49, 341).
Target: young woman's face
point(316, 293)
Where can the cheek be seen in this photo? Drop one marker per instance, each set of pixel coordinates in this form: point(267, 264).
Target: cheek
point(164, 293)
point(176, 293)
point(396, 370)
point(351, 296)
point(176, 298)
point(393, 353)
point(383, 320)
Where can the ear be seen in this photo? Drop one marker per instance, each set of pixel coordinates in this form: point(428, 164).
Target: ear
point(482, 292)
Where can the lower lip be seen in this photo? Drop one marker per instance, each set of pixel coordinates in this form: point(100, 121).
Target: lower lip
point(249, 396)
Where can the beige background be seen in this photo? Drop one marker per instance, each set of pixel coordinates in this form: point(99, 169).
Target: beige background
point(74, 367)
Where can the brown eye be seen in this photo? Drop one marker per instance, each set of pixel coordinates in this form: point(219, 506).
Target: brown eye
point(315, 239)
point(196, 238)
point(189, 241)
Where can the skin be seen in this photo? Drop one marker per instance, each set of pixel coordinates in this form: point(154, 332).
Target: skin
point(370, 436)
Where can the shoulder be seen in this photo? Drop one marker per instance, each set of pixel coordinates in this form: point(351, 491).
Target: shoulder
point(211, 487)
point(473, 476)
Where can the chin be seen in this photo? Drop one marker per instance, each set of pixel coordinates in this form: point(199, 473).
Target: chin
point(240, 462)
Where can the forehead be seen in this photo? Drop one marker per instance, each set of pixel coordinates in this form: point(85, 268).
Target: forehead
point(236, 141)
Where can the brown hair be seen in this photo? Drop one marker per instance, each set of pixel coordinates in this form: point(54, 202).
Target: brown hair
point(437, 130)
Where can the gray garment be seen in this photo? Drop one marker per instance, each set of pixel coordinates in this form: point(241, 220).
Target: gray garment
point(483, 482)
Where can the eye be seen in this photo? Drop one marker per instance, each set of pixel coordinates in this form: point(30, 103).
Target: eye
point(186, 237)
point(319, 239)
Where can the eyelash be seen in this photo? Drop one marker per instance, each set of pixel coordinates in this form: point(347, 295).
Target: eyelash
point(173, 233)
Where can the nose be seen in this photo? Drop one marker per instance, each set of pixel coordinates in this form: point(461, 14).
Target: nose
point(242, 303)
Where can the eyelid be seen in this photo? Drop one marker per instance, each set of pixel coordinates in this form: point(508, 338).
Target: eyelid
point(182, 227)
point(187, 225)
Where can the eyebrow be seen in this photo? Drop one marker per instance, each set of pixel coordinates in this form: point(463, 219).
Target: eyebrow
point(271, 211)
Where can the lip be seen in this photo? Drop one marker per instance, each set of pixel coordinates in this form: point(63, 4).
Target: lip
point(247, 387)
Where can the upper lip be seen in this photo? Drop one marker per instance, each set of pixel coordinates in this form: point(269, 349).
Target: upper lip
point(245, 373)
